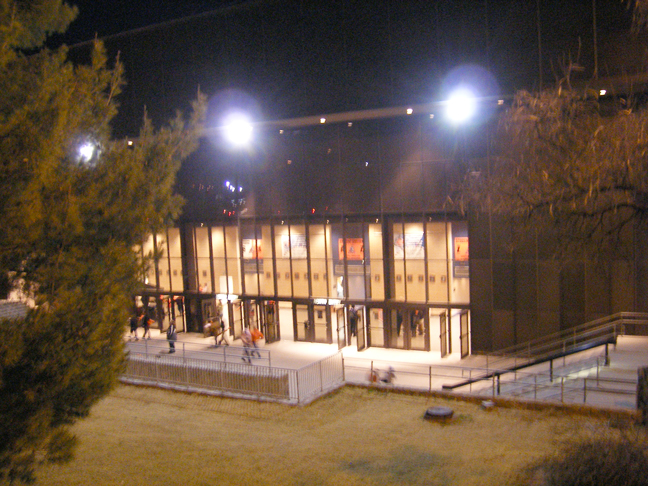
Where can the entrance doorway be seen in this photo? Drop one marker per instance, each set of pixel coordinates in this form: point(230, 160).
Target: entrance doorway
point(269, 313)
point(312, 323)
point(409, 329)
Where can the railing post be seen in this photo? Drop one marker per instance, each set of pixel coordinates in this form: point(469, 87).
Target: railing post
point(607, 357)
point(535, 387)
point(297, 381)
point(498, 384)
point(551, 371)
point(184, 356)
point(321, 377)
point(585, 390)
point(597, 371)
point(470, 380)
point(343, 367)
point(430, 375)
point(562, 389)
point(493, 385)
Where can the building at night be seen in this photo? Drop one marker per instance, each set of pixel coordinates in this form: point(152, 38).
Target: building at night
point(341, 201)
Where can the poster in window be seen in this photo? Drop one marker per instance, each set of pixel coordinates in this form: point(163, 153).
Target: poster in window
point(461, 248)
point(411, 245)
point(250, 250)
point(460, 265)
point(354, 249)
point(295, 247)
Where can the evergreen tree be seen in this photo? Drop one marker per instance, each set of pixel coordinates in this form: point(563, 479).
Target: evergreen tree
point(69, 226)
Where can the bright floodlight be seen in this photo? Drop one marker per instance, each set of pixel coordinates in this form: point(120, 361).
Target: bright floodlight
point(238, 130)
point(461, 106)
point(86, 151)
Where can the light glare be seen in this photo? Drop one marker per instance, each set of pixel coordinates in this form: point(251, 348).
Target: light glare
point(238, 130)
point(461, 106)
point(86, 151)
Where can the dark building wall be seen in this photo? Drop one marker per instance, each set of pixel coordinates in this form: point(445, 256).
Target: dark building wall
point(523, 294)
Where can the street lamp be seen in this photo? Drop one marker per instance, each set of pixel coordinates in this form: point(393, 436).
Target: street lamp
point(238, 130)
point(86, 152)
point(461, 105)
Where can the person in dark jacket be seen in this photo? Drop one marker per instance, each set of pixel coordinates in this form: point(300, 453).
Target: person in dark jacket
point(172, 336)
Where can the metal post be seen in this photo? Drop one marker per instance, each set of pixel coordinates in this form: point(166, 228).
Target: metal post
point(321, 378)
point(551, 371)
point(430, 374)
point(585, 390)
point(184, 357)
point(562, 389)
point(598, 364)
point(297, 380)
point(498, 384)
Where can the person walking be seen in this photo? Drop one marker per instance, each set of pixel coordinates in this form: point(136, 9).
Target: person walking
point(256, 337)
point(146, 325)
point(223, 334)
point(353, 320)
point(246, 338)
point(133, 327)
point(172, 336)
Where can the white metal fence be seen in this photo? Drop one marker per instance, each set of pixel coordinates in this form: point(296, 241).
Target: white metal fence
point(236, 379)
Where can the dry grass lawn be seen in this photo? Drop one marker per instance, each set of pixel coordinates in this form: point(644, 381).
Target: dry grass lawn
point(352, 437)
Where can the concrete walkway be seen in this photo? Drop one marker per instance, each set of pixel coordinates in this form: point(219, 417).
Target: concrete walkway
point(420, 370)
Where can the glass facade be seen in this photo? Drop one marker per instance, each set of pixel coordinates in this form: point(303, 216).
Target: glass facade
point(402, 279)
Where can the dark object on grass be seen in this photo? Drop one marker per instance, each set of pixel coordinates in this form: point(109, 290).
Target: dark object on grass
point(438, 413)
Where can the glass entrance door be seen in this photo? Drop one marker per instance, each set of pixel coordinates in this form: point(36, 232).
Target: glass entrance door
point(304, 328)
point(361, 328)
point(236, 319)
point(340, 327)
point(270, 329)
point(464, 334)
point(443, 337)
point(321, 324)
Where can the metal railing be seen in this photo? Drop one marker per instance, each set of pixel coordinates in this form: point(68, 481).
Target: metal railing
point(185, 350)
point(563, 384)
point(590, 334)
point(235, 379)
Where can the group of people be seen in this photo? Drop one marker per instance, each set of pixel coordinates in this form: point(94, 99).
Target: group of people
point(217, 328)
point(143, 320)
point(250, 339)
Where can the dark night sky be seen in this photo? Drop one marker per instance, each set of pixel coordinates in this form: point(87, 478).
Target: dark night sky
point(300, 57)
point(292, 58)
point(109, 17)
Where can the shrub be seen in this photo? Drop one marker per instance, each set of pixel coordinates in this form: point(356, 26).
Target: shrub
point(606, 459)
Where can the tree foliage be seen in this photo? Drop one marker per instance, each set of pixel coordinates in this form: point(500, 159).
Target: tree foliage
point(568, 164)
point(69, 226)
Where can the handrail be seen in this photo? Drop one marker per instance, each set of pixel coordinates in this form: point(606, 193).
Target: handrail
point(603, 323)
